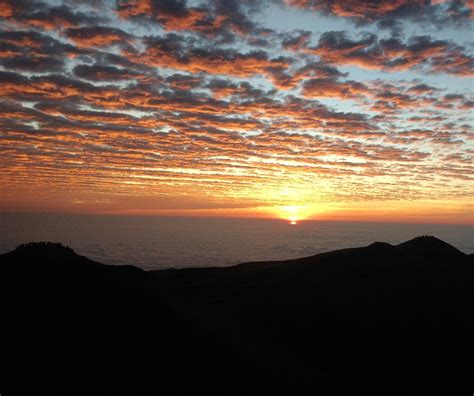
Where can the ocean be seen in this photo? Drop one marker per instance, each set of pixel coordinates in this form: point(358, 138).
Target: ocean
point(177, 242)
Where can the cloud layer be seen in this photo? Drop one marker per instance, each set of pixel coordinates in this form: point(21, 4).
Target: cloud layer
point(133, 105)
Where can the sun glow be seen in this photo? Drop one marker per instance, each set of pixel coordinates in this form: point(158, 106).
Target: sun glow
point(293, 214)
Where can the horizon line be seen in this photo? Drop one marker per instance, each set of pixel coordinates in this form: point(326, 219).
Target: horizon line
point(237, 217)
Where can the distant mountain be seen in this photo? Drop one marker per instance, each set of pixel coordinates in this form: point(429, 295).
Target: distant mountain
point(381, 319)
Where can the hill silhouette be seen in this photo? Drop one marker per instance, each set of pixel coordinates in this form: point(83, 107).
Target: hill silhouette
point(380, 319)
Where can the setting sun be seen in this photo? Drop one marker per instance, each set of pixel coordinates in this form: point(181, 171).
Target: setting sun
point(294, 214)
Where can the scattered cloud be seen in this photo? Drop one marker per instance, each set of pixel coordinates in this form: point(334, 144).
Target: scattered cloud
point(174, 99)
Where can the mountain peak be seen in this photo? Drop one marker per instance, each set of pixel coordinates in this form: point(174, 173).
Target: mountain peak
point(425, 241)
point(36, 246)
point(45, 248)
point(430, 247)
point(45, 251)
point(380, 245)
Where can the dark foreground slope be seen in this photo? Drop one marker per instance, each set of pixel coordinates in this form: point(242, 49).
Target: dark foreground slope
point(382, 319)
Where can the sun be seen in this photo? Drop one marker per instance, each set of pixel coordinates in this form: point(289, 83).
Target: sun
point(291, 213)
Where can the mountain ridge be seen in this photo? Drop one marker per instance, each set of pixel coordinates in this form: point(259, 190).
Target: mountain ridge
point(61, 251)
point(380, 319)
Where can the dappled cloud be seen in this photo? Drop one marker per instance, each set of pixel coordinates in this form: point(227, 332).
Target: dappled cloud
point(178, 106)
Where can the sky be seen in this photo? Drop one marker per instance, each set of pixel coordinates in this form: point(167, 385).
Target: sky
point(299, 109)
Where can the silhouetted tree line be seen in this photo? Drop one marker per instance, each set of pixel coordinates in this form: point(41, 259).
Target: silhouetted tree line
point(49, 245)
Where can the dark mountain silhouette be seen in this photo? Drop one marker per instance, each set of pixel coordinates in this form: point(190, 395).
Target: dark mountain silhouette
point(381, 319)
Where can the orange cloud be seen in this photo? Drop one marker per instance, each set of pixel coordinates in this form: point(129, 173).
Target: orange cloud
point(393, 54)
point(375, 10)
point(169, 53)
point(6, 8)
point(99, 36)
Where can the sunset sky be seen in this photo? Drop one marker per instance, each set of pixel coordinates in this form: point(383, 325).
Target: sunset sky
point(324, 109)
